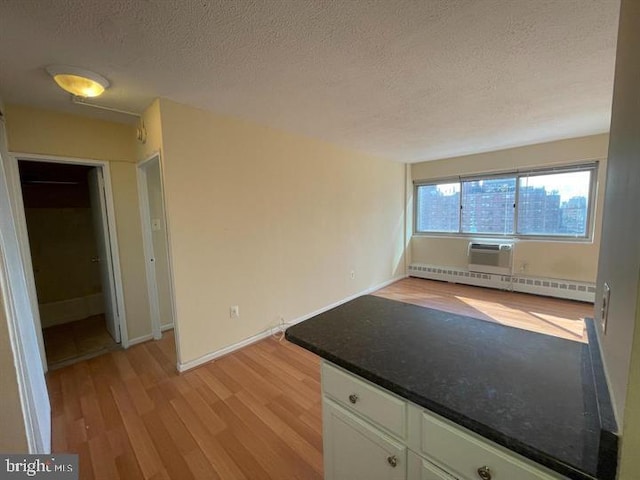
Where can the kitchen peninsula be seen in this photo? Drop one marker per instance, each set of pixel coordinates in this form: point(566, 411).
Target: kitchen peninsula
point(415, 393)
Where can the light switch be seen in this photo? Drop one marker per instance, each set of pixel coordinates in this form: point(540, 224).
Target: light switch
point(155, 225)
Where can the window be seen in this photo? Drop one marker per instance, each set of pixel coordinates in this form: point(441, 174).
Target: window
point(554, 204)
point(545, 203)
point(441, 207)
point(487, 205)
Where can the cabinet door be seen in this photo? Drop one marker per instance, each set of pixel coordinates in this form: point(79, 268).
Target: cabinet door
point(355, 450)
point(421, 469)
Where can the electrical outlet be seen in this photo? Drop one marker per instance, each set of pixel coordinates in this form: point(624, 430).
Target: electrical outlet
point(234, 311)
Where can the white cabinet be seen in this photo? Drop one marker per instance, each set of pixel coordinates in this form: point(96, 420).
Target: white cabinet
point(471, 457)
point(369, 401)
point(354, 450)
point(372, 434)
point(421, 469)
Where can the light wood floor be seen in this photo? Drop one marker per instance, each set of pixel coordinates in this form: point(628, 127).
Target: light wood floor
point(253, 414)
point(550, 316)
point(81, 339)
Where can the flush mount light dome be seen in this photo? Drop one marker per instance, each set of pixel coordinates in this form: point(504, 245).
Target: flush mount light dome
point(78, 81)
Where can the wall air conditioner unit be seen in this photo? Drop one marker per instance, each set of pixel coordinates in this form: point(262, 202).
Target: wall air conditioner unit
point(490, 258)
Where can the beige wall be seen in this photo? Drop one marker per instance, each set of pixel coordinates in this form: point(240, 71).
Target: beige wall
point(271, 222)
point(153, 128)
point(620, 252)
point(132, 261)
point(31, 130)
point(562, 260)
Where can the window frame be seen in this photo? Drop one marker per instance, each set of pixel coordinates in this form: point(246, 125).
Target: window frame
point(591, 167)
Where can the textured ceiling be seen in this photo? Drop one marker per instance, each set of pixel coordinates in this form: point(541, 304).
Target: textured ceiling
point(409, 80)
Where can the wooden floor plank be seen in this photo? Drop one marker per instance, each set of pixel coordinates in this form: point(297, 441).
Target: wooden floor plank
point(280, 408)
point(213, 451)
point(248, 378)
point(102, 459)
point(85, 464)
point(145, 451)
point(177, 430)
point(214, 384)
point(242, 457)
point(290, 387)
point(274, 464)
point(76, 433)
point(59, 440)
point(168, 451)
point(297, 442)
point(128, 466)
point(92, 414)
point(71, 399)
point(291, 460)
point(55, 393)
point(199, 466)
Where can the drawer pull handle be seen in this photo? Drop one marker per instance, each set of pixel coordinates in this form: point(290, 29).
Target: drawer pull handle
point(484, 473)
point(393, 461)
point(353, 398)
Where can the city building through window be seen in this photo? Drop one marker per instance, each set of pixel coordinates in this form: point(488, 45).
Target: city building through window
point(543, 203)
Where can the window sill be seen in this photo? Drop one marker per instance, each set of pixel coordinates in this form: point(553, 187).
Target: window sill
point(507, 238)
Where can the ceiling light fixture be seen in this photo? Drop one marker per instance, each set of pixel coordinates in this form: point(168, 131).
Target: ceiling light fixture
point(78, 81)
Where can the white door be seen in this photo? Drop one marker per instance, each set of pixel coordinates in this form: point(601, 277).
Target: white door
point(353, 450)
point(101, 230)
point(156, 244)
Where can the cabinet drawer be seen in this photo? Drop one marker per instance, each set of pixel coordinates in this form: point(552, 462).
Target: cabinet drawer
point(372, 402)
point(354, 450)
point(421, 469)
point(465, 454)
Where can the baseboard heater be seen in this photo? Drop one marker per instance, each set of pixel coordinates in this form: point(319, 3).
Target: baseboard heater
point(568, 289)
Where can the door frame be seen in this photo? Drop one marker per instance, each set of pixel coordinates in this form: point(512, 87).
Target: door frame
point(13, 177)
point(147, 241)
point(22, 319)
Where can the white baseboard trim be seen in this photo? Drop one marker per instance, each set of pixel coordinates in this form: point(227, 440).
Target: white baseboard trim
point(142, 339)
point(345, 300)
point(183, 367)
point(164, 328)
point(65, 311)
point(549, 287)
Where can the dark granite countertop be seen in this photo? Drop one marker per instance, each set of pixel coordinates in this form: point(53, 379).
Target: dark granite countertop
point(532, 393)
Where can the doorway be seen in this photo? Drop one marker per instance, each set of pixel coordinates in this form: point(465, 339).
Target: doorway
point(71, 256)
point(156, 244)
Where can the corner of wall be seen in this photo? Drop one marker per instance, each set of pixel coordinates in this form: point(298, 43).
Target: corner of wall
point(152, 121)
